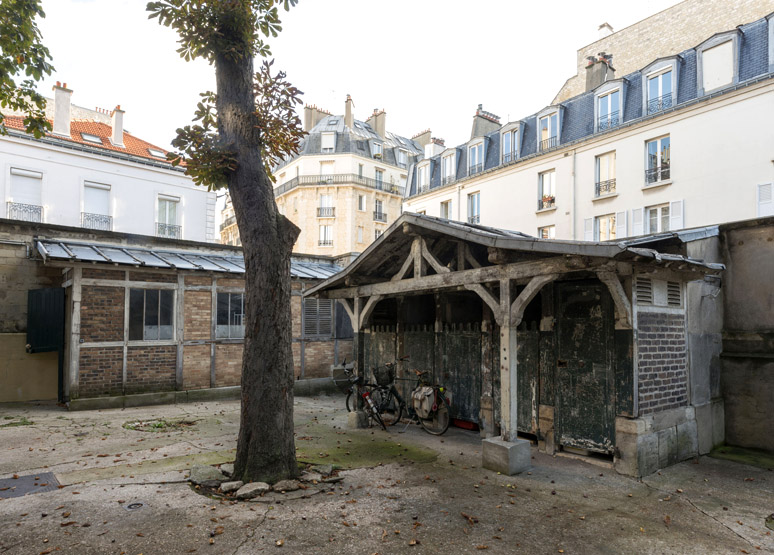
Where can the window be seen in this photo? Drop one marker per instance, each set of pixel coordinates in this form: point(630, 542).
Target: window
point(657, 162)
point(376, 150)
point(604, 227)
point(547, 232)
point(230, 316)
point(359, 234)
point(548, 131)
point(474, 208)
point(89, 138)
point(402, 158)
point(510, 142)
point(608, 110)
point(475, 158)
point(326, 236)
point(765, 204)
point(379, 215)
point(378, 233)
point(423, 183)
point(150, 314)
point(318, 316)
point(166, 225)
point(446, 210)
point(333, 121)
point(328, 142)
point(547, 190)
point(717, 61)
point(605, 168)
point(361, 203)
point(157, 153)
point(379, 176)
point(326, 209)
point(447, 166)
point(660, 91)
point(96, 207)
point(360, 170)
point(26, 196)
point(657, 218)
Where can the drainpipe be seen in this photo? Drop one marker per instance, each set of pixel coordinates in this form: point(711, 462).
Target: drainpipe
point(574, 202)
point(459, 196)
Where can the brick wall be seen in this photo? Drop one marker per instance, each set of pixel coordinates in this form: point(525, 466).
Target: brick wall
point(152, 276)
point(295, 315)
point(197, 315)
point(94, 273)
point(102, 313)
point(150, 368)
point(100, 371)
point(196, 366)
point(662, 368)
point(318, 358)
point(231, 282)
point(198, 280)
point(228, 365)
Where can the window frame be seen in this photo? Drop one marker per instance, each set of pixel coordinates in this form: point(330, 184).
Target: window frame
point(447, 204)
point(361, 203)
point(229, 325)
point(310, 305)
point(474, 207)
point(547, 204)
point(423, 177)
point(376, 150)
point(717, 40)
point(448, 162)
point(512, 131)
point(551, 229)
point(608, 186)
point(656, 69)
point(660, 166)
point(478, 147)
point(551, 141)
point(172, 315)
point(331, 135)
point(607, 89)
point(661, 214)
point(325, 235)
point(611, 230)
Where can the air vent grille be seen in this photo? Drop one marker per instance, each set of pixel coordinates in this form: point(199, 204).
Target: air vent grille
point(673, 294)
point(644, 290)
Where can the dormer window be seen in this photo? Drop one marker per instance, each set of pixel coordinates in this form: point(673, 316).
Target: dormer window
point(510, 145)
point(609, 110)
point(157, 153)
point(376, 150)
point(476, 158)
point(402, 158)
point(89, 138)
point(448, 172)
point(548, 131)
point(328, 142)
point(717, 62)
point(659, 85)
point(423, 178)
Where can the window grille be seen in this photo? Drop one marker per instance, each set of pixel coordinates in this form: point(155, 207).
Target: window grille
point(644, 290)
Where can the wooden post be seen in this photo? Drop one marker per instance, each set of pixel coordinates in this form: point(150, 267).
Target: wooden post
point(75, 334)
point(508, 374)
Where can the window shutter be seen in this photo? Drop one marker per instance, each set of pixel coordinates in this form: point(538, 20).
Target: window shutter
point(638, 219)
point(26, 187)
point(310, 316)
point(588, 229)
point(96, 200)
point(765, 204)
point(676, 208)
point(325, 316)
point(643, 290)
point(621, 226)
point(673, 294)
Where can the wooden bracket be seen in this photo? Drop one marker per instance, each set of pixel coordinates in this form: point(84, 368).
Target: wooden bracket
point(623, 308)
point(526, 296)
point(434, 262)
point(367, 310)
point(487, 297)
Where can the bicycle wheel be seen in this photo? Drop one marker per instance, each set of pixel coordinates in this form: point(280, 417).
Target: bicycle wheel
point(439, 420)
point(390, 409)
point(350, 401)
point(374, 415)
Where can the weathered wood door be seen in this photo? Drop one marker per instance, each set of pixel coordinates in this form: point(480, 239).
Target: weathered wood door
point(527, 367)
point(460, 361)
point(585, 404)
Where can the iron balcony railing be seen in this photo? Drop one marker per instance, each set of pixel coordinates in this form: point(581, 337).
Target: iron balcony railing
point(325, 242)
point(608, 121)
point(659, 104)
point(25, 212)
point(169, 231)
point(550, 142)
point(508, 157)
point(228, 222)
point(339, 179)
point(475, 168)
point(96, 221)
point(604, 188)
point(654, 175)
point(448, 179)
point(424, 188)
point(326, 212)
point(380, 216)
point(546, 202)
point(474, 219)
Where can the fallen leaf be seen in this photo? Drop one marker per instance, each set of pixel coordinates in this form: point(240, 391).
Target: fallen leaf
point(384, 535)
point(667, 520)
point(482, 547)
point(279, 543)
point(471, 519)
point(65, 514)
point(414, 542)
point(67, 523)
point(219, 530)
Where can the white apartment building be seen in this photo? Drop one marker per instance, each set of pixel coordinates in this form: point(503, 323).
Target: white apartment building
point(91, 172)
point(685, 141)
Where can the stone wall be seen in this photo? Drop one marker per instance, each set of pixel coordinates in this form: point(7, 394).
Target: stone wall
point(662, 368)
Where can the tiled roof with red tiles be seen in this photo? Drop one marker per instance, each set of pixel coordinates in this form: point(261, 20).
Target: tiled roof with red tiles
point(132, 145)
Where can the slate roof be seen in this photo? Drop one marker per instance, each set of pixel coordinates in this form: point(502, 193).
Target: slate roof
point(578, 112)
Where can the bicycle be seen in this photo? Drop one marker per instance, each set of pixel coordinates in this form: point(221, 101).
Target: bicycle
point(430, 405)
point(351, 383)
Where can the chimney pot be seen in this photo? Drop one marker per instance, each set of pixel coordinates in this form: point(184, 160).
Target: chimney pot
point(62, 110)
point(117, 136)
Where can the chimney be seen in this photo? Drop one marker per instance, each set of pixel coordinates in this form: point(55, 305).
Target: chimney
point(434, 147)
point(423, 138)
point(62, 109)
point(378, 121)
point(312, 116)
point(117, 137)
point(349, 120)
point(605, 30)
point(599, 69)
point(484, 122)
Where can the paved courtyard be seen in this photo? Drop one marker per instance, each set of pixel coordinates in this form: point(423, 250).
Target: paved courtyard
point(121, 488)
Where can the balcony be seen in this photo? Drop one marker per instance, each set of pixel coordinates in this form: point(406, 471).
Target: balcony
point(509, 157)
point(326, 212)
point(228, 222)
point(25, 212)
point(380, 216)
point(654, 175)
point(475, 168)
point(608, 121)
point(660, 104)
point(548, 143)
point(448, 179)
point(548, 201)
point(474, 219)
point(339, 179)
point(96, 221)
point(325, 242)
point(604, 188)
point(169, 231)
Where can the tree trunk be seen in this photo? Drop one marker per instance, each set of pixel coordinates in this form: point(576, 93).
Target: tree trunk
point(266, 448)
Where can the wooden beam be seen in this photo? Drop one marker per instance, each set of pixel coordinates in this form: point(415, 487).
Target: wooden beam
point(487, 297)
point(623, 308)
point(407, 265)
point(470, 258)
point(367, 310)
point(416, 251)
point(349, 307)
point(460, 256)
point(434, 262)
point(526, 296)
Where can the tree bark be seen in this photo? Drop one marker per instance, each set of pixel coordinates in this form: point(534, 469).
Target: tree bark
point(266, 447)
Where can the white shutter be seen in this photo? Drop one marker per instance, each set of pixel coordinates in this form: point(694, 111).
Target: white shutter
point(96, 200)
point(621, 226)
point(588, 229)
point(676, 208)
point(638, 219)
point(26, 187)
point(328, 142)
point(765, 204)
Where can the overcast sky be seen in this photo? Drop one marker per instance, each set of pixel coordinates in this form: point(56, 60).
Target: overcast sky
point(428, 63)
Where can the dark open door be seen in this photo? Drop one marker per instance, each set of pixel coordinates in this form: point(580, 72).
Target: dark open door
point(585, 405)
point(45, 326)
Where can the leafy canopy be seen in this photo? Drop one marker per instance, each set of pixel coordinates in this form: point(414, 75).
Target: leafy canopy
point(22, 53)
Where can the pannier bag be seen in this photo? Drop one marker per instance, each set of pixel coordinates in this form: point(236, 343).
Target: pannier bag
point(424, 399)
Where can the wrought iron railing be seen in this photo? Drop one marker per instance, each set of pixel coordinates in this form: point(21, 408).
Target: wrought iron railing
point(608, 121)
point(604, 188)
point(654, 175)
point(473, 169)
point(169, 231)
point(424, 188)
point(448, 179)
point(25, 212)
point(231, 220)
point(96, 221)
point(550, 142)
point(659, 104)
point(508, 157)
point(546, 202)
point(339, 179)
point(326, 212)
point(380, 216)
point(325, 242)
point(474, 219)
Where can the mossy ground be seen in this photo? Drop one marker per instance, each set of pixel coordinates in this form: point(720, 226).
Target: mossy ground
point(16, 421)
point(753, 457)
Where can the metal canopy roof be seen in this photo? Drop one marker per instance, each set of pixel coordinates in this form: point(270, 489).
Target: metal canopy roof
point(53, 249)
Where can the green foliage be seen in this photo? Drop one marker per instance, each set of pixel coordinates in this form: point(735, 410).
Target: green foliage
point(22, 53)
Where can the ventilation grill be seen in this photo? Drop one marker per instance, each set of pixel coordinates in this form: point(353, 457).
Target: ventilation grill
point(644, 290)
point(673, 293)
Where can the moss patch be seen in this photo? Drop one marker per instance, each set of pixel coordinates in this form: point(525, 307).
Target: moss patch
point(753, 457)
point(16, 421)
point(159, 425)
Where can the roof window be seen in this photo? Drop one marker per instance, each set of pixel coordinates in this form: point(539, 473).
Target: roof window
point(157, 153)
point(88, 137)
point(333, 121)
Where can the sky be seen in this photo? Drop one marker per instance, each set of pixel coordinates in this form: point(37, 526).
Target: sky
point(427, 63)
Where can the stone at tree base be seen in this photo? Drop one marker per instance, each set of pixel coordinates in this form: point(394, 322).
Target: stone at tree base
point(205, 475)
point(310, 477)
point(227, 469)
point(253, 489)
point(228, 487)
point(324, 469)
point(286, 485)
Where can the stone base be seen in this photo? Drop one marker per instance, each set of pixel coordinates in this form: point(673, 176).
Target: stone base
point(506, 457)
point(357, 419)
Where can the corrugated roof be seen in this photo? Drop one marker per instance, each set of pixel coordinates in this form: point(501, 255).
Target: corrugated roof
point(53, 249)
